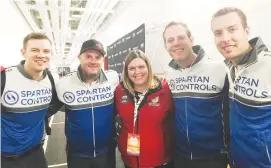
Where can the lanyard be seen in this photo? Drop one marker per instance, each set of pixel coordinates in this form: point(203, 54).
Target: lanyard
point(137, 102)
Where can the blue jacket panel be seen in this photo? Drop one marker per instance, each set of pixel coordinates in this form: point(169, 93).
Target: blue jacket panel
point(87, 131)
point(250, 135)
point(199, 127)
point(21, 131)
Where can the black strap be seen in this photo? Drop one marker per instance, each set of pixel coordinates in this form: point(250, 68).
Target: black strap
point(3, 81)
point(226, 112)
point(50, 76)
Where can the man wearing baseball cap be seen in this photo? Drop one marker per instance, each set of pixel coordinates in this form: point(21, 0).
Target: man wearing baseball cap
point(87, 95)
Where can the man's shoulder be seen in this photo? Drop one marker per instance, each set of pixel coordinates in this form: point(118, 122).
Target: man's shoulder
point(169, 69)
point(68, 76)
point(9, 69)
point(263, 58)
point(110, 72)
point(217, 66)
point(111, 75)
point(209, 61)
point(266, 54)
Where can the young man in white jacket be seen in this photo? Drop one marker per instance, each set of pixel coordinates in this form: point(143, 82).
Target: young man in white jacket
point(249, 74)
point(200, 90)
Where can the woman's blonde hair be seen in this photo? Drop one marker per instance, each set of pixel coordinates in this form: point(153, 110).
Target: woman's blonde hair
point(128, 84)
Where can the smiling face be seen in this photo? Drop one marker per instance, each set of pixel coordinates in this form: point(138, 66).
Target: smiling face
point(37, 54)
point(231, 38)
point(178, 43)
point(91, 62)
point(138, 72)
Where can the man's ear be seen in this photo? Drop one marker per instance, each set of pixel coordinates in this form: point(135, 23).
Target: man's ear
point(192, 40)
point(23, 52)
point(165, 45)
point(247, 30)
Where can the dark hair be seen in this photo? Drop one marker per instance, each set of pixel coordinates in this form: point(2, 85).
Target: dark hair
point(36, 36)
point(227, 10)
point(173, 23)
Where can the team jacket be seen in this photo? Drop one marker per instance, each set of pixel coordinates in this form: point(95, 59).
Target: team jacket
point(24, 103)
point(89, 112)
point(153, 124)
point(200, 94)
point(250, 115)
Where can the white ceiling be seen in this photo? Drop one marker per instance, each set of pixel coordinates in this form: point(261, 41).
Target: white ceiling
point(68, 22)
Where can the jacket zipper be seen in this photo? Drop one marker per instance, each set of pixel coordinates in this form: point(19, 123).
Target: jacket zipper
point(267, 152)
point(137, 123)
point(223, 124)
point(187, 130)
point(93, 130)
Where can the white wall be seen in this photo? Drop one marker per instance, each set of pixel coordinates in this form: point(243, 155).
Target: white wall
point(139, 11)
point(12, 31)
point(196, 13)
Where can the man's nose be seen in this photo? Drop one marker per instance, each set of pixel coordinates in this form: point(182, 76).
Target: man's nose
point(177, 42)
point(225, 37)
point(41, 54)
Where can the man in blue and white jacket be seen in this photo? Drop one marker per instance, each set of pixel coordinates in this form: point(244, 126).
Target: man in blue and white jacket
point(249, 74)
point(26, 93)
point(88, 95)
point(199, 87)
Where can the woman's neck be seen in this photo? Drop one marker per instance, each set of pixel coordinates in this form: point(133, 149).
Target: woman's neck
point(141, 88)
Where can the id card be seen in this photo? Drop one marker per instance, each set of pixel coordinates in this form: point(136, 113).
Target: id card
point(133, 144)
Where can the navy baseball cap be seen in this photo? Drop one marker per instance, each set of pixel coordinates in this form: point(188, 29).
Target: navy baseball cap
point(92, 45)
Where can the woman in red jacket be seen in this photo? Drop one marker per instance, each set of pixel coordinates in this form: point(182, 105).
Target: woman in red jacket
point(145, 106)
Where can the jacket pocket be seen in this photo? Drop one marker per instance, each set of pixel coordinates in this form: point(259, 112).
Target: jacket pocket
point(265, 138)
point(246, 149)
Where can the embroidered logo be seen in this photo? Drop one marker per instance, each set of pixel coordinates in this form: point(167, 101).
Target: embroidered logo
point(154, 101)
point(124, 99)
point(11, 97)
point(172, 85)
point(68, 97)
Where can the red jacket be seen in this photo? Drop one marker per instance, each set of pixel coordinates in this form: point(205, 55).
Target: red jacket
point(2, 68)
point(154, 125)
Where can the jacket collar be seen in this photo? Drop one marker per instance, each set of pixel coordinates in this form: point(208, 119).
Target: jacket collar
point(21, 69)
point(101, 77)
point(150, 91)
point(198, 50)
point(257, 47)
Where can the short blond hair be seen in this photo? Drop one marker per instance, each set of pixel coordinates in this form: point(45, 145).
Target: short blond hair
point(128, 84)
point(227, 10)
point(35, 36)
point(174, 23)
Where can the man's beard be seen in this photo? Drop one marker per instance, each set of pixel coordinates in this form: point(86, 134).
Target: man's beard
point(92, 75)
point(89, 76)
